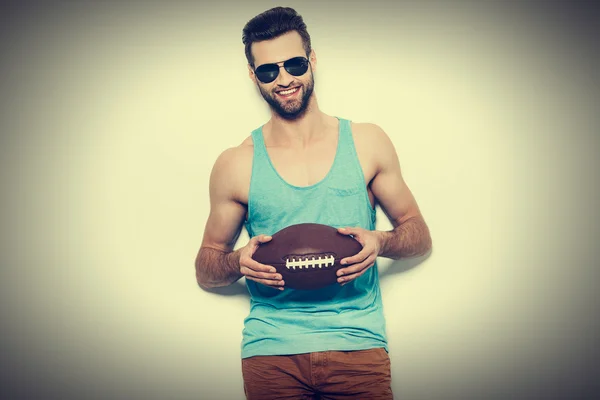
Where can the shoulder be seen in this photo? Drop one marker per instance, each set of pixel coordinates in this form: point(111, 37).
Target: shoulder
point(235, 157)
point(371, 140)
point(232, 169)
point(367, 131)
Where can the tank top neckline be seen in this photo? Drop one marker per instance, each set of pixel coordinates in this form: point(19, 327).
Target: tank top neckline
point(316, 184)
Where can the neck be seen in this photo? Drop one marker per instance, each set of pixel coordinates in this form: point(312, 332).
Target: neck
point(298, 132)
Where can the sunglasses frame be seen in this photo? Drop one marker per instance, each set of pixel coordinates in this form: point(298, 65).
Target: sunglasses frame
point(281, 64)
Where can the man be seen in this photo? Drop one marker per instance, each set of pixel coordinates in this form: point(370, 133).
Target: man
point(306, 166)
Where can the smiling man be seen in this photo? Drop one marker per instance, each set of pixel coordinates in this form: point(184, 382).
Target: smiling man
point(288, 102)
point(306, 166)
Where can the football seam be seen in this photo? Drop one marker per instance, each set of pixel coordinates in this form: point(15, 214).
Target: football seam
point(293, 262)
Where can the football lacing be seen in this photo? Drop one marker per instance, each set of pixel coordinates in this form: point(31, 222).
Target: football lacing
point(310, 262)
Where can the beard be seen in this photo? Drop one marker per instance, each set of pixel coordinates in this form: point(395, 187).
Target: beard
point(290, 110)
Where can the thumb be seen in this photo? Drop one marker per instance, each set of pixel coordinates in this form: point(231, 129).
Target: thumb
point(348, 231)
point(263, 238)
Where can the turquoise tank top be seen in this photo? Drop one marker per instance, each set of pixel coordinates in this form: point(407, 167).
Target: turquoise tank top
point(345, 318)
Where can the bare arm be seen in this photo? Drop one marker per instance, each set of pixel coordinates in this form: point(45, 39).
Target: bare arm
point(216, 268)
point(216, 263)
point(410, 236)
point(409, 239)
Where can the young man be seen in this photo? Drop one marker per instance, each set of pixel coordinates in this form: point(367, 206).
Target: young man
point(306, 166)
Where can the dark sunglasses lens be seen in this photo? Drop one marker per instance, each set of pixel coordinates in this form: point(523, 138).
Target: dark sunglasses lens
point(296, 66)
point(267, 73)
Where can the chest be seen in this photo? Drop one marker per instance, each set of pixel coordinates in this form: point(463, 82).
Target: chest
point(303, 167)
point(307, 167)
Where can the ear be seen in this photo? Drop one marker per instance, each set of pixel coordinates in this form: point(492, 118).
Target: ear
point(251, 74)
point(313, 60)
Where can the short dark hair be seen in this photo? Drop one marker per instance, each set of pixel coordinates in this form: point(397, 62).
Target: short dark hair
point(272, 24)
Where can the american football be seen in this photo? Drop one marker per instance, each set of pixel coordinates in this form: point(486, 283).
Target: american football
point(307, 255)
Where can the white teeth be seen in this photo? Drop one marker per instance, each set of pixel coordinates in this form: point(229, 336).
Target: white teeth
point(286, 92)
point(303, 263)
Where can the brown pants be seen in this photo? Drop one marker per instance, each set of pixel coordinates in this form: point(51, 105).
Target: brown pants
point(363, 374)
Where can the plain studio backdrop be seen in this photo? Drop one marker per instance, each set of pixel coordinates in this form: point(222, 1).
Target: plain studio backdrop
point(113, 114)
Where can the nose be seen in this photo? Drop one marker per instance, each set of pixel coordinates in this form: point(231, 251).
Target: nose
point(284, 78)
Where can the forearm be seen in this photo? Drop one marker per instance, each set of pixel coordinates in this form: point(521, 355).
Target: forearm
point(409, 239)
point(215, 268)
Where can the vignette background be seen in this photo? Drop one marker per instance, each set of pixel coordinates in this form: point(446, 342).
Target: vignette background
point(113, 113)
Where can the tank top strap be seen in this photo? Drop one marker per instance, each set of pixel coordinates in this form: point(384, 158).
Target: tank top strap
point(347, 167)
point(260, 150)
point(261, 164)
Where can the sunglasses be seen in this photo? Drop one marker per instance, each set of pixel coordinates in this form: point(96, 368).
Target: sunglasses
point(296, 66)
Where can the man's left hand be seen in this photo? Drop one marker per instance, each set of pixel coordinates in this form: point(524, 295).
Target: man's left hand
point(365, 259)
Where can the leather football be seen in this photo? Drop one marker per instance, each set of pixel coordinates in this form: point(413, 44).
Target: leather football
point(307, 255)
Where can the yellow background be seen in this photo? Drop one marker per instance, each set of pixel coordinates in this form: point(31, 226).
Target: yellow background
point(113, 114)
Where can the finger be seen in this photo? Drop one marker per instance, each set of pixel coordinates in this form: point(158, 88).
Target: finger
point(345, 279)
point(260, 275)
point(356, 267)
point(262, 238)
point(256, 241)
point(267, 282)
point(255, 265)
point(256, 268)
point(349, 230)
point(359, 257)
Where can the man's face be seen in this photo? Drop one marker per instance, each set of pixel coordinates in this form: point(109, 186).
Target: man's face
point(289, 105)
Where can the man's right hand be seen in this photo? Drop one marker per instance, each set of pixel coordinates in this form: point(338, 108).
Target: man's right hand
point(255, 271)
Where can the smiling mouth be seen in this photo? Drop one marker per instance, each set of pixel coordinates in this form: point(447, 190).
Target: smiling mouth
point(288, 92)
